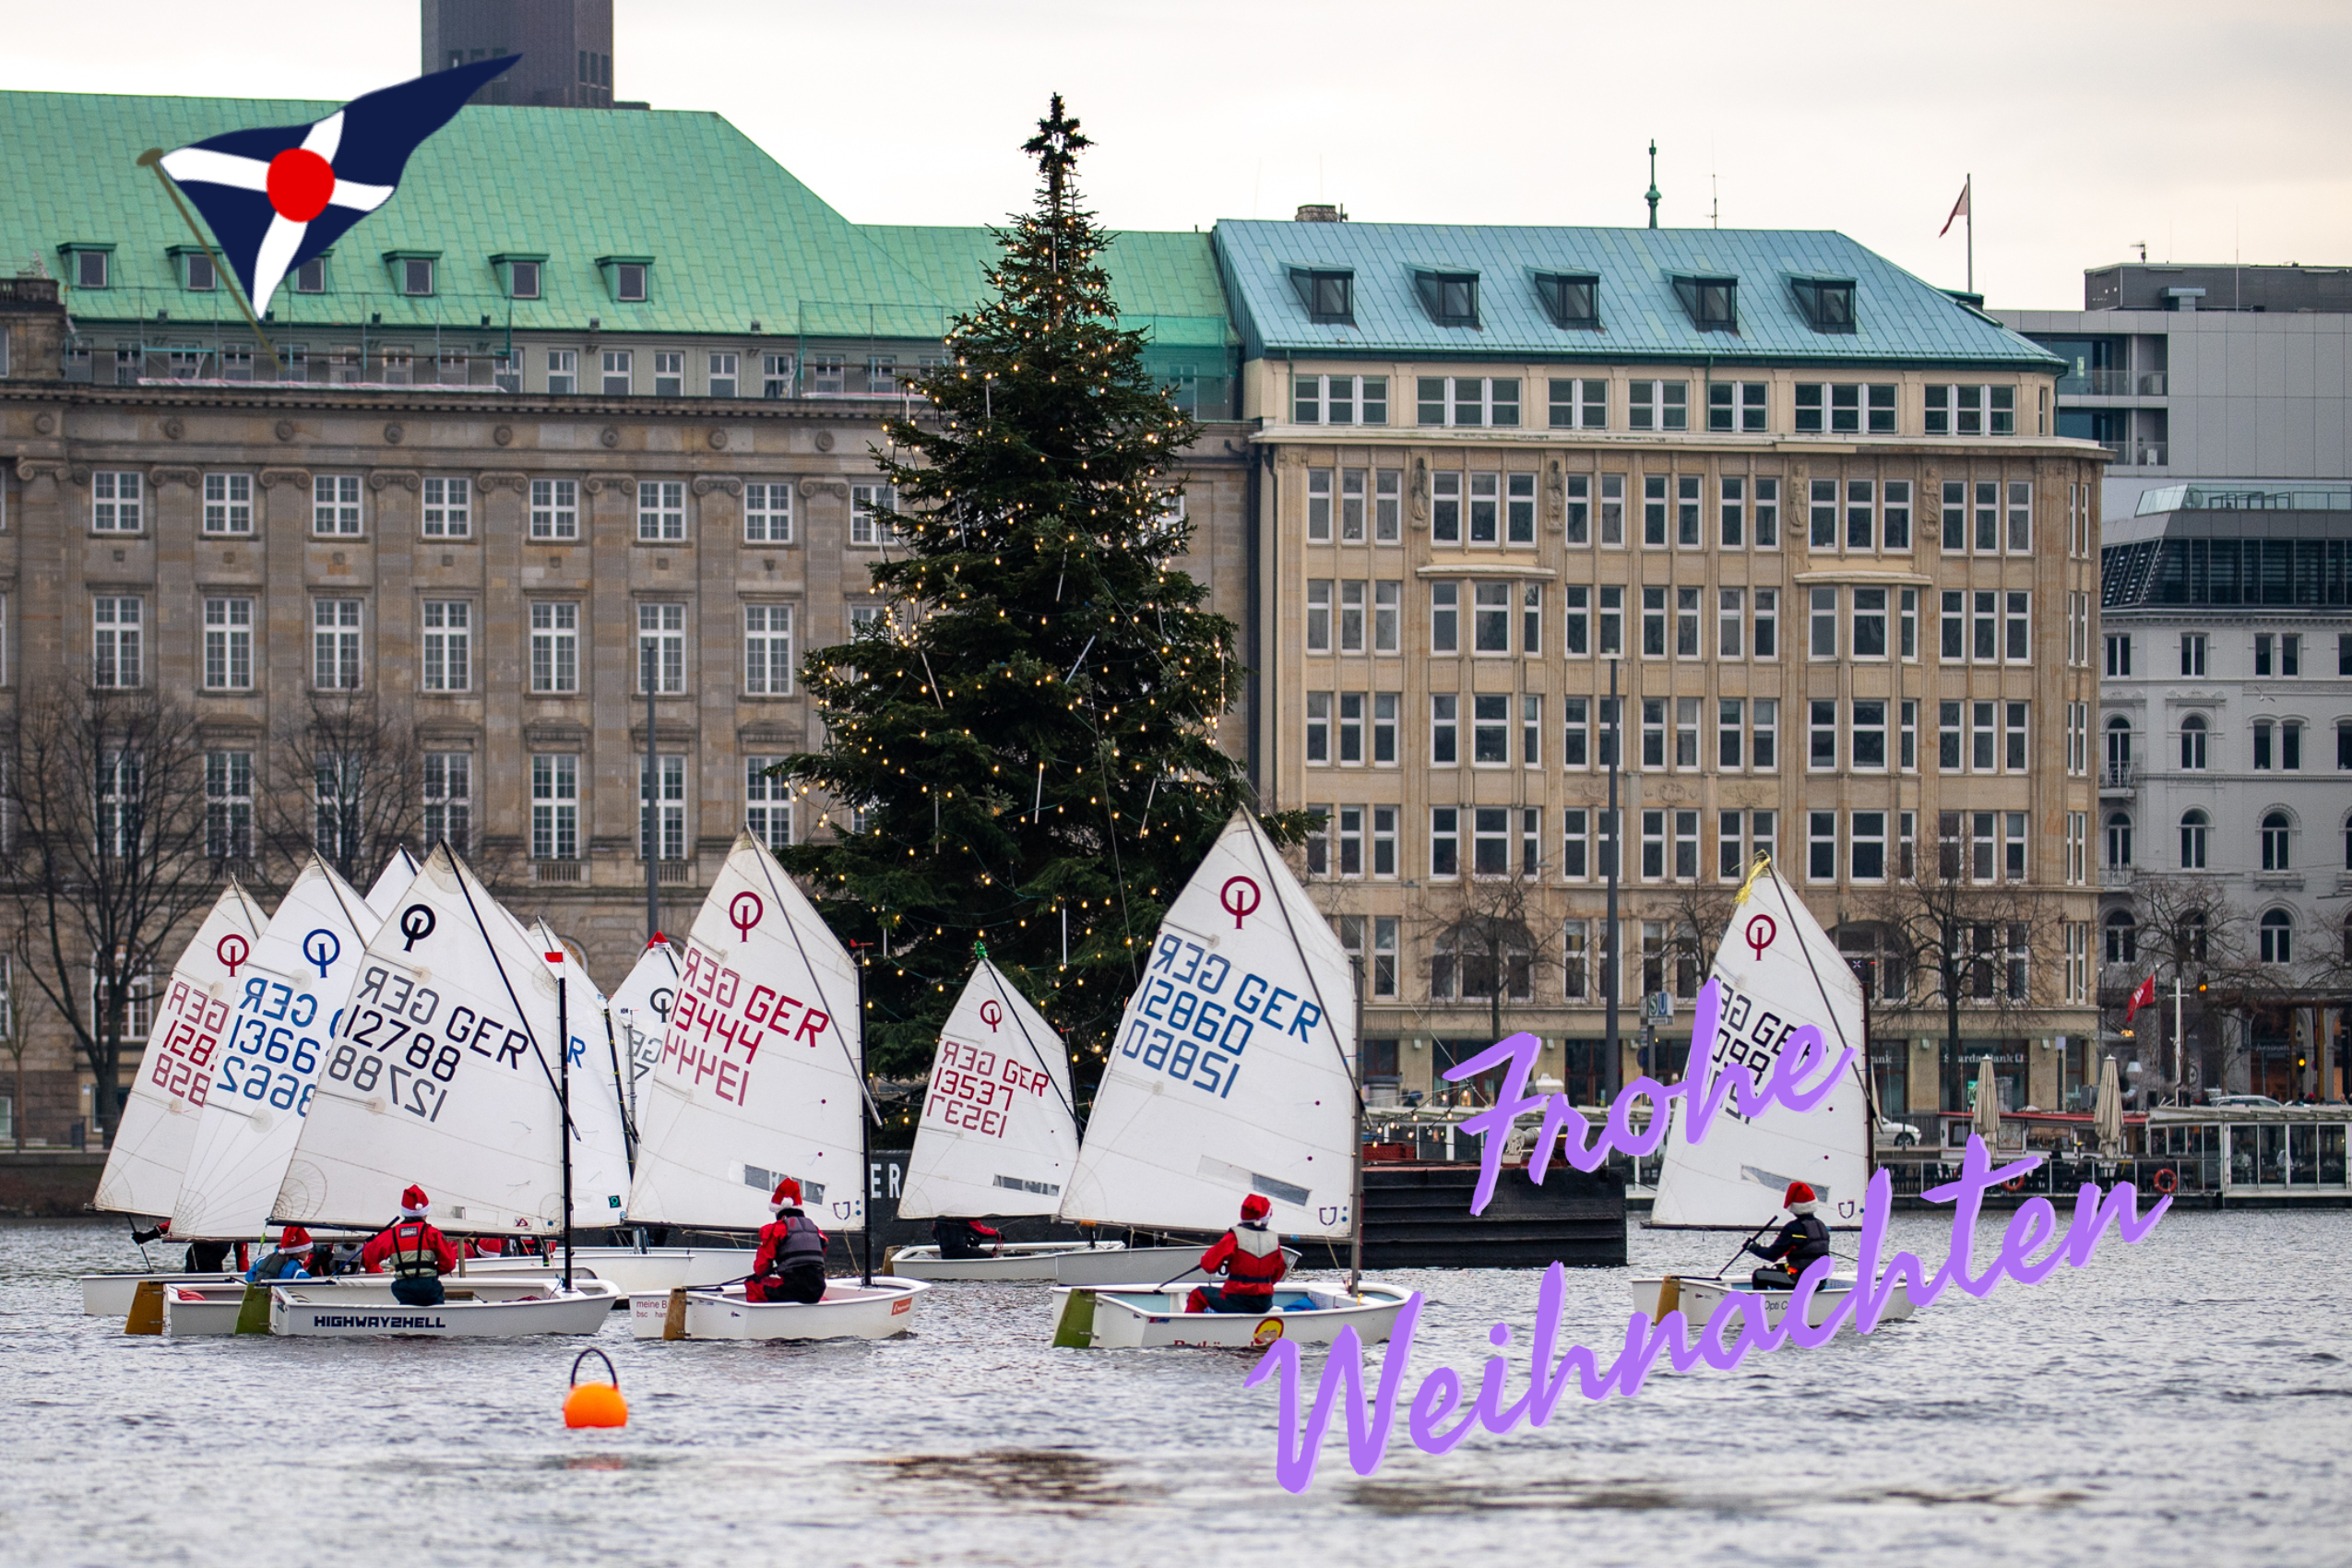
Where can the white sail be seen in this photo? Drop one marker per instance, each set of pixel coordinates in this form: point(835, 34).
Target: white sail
point(1232, 1072)
point(640, 1014)
point(384, 893)
point(997, 1136)
point(444, 1074)
point(288, 1003)
point(1779, 972)
point(596, 1084)
point(159, 1123)
point(762, 1063)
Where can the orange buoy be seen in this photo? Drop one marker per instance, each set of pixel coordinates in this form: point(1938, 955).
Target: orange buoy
point(595, 1404)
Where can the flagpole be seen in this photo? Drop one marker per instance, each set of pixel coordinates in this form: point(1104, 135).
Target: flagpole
point(153, 159)
point(1971, 187)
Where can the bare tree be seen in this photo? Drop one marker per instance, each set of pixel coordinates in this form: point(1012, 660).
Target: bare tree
point(107, 790)
point(346, 777)
point(1483, 943)
point(1956, 943)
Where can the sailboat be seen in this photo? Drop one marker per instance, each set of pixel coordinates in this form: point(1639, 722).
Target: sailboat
point(400, 870)
point(1234, 1073)
point(450, 1067)
point(1777, 971)
point(640, 1011)
point(159, 1122)
point(288, 1003)
point(762, 1076)
point(998, 1136)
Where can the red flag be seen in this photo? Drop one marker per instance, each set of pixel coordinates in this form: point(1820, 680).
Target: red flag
point(1959, 208)
point(2142, 996)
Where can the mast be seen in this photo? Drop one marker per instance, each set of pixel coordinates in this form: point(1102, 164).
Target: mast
point(1356, 1205)
point(1610, 1049)
point(865, 1121)
point(564, 1098)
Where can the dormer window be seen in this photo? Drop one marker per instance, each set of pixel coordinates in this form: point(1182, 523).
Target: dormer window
point(1713, 303)
point(1571, 299)
point(519, 271)
point(89, 266)
point(1828, 302)
point(413, 271)
point(310, 277)
point(1328, 294)
point(197, 272)
point(626, 278)
point(1451, 298)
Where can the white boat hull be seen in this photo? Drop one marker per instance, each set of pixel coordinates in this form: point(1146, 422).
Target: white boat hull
point(635, 1273)
point(1142, 1318)
point(335, 1310)
point(1698, 1299)
point(1031, 1260)
point(1140, 1265)
point(849, 1311)
point(202, 1308)
point(110, 1295)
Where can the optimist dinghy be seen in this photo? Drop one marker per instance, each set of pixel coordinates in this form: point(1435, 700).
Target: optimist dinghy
point(1234, 1073)
point(1776, 971)
point(761, 1076)
point(998, 1136)
point(343, 1308)
point(653, 1269)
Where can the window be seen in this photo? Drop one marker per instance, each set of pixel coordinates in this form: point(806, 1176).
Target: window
point(114, 498)
point(1827, 304)
point(449, 644)
point(562, 371)
point(1736, 405)
point(618, 367)
point(1987, 518)
point(448, 799)
point(115, 649)
point(1653, 731)
point(1326, 296)
point(1451, 298)
point(768, 803)
point(1339, 399)
point(1947, 737)
point(1519, 509)
point(2078, 831)
point(1910, 727)
point(555, 807)
point(506, 372)
point(661, 649)
point(2021, 517)
point(1658, 404)
point(1579, 403)
point(448, 508)
point(1728, 733)
point(2193, 743)
point(1687, 529)
point(228, 644)
point(91, 268)
point(1318, 505)
point(197, 273)
point(1613, 620)
point(2012, 736)
point(1728, 605)
point(2194, 826)
point(1351, 727)
point(1571, 299)
point(767, 514)
point(1866, 852)
point(1388, 597)
point(1897, 514)
point(1713, 303)
point(2343, 743)
point(337, 824)
point(1822, 513)
point(1654, 511)
point(1319, 615)
point(1764, 735)
point(1576, 732)
point(2277, 937)
point(2078, 737)
point(1490, 841)
point(1870, 734)
point(1824, 623)
point(227, 805)
point(1981, 737)
point(2013, 845)
point(1388, 505)
point(1445, 711)
point(1907, 604)
point(556, 647)
point(1653, 846)
point(1981, 845)
point(522, 279)
point(1767, 621)
point(1384, 841)
point(661, 509)
point(775, 376)
point(1444, 841)
point(768, 649)
point(416, 275)
point(1980, 627)
point(2192, 654)
point(2275, 835)
point(1822, 755)
point(1653, 623)
point(1491, 617)
point(668, 375)
point(2263, 750)
point(628, 281)
point(1686, 623)
point(1318, 727)
point(555, 508)
point(334, 644)
point(2122, 937)
point(1444, 617)
point(1530, 730)
point(1870, 621)
point(829, 374)
point(1384, 737)
point(1821, 846)
point(1489, 729)
point(228, 504)
point(722, 378)
point(872, 507)
point(1467, 400)
point(1845, 408)
point(1972, 410)
point(1767, 514)
point(661, 808)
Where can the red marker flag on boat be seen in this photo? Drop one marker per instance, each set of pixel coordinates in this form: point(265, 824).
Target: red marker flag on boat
point(2142, 996)
point(276, 197)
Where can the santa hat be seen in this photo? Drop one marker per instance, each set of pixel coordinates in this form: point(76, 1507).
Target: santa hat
point(414, 1203)
point(293, 1239)
point(787, 1195)
point(1798, 1193)
point(1254, 1206)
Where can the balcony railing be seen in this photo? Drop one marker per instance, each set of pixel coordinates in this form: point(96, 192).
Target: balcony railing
point(2118, 451)
point(2116, 776)
point(559, 870)
point(2154, 384)
point(674, 871)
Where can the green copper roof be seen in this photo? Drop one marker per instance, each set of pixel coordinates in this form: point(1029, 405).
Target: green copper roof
point(1899, 318)
point(733, 236)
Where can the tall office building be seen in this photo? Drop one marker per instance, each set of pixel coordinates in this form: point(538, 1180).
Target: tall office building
point(566, 48)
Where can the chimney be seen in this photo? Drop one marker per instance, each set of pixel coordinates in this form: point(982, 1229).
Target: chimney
point(1320, 212)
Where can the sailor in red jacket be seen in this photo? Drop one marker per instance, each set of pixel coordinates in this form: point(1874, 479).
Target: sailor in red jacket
point(1250, 1256)
point(418, 1254)
point(789, 1265)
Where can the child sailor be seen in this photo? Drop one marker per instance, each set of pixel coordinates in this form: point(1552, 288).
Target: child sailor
point(418, 1254)
point(1802, 1241)
point(1250, 1256)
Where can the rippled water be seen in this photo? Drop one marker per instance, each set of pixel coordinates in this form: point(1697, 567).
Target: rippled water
point(2182, 1400)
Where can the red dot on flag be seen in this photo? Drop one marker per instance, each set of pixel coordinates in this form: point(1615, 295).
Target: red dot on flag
point(300, 183)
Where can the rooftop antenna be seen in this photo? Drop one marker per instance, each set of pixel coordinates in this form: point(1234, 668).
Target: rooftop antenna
point(1714, 202)
point(2142, 246)
point(1652, 197)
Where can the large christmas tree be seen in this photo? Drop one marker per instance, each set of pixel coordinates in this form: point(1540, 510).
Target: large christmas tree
point(1029, 735)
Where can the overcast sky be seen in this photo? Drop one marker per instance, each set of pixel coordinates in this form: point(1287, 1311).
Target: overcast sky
point(2211, 131)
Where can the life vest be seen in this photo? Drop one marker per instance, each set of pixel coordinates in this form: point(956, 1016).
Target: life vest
point(1256, 1264)
point(413, 1254)
point(282, 1264)
point(794, 1242)
point(1811, 1243)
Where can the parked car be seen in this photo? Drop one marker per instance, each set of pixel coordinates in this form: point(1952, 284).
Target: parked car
point(2243, 1101)
point(1897, 1134)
